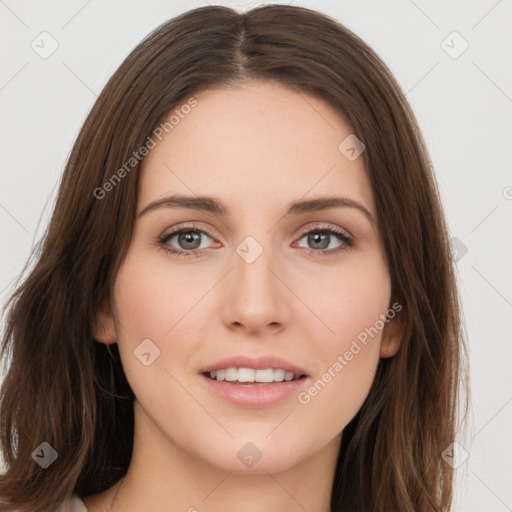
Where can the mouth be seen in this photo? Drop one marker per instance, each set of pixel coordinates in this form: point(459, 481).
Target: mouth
point(248, 382)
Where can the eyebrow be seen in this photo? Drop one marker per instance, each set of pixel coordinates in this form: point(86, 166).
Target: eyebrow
point(213, 205)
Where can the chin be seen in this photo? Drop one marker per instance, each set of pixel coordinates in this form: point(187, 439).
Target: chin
point(254, 454)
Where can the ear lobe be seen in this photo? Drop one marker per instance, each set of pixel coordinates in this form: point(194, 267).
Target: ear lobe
point(104, 326)
point(392, 336)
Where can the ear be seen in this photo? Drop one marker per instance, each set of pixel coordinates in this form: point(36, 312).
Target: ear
point(104, 326)
point(392, 336)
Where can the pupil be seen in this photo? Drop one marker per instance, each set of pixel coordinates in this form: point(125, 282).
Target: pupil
point(313, 239)
point(187, 237)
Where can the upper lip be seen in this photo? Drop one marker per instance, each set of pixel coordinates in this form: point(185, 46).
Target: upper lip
point(256, 363)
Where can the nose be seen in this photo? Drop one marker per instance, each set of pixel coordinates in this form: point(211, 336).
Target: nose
point(257, 301)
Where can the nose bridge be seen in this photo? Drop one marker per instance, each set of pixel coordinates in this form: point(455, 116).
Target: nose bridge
point(252, 260)
point(255, 293)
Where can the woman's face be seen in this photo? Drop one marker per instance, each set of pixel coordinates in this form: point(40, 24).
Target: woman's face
point(258, 280)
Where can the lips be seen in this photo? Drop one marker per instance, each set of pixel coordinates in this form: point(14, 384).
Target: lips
point(247, 393)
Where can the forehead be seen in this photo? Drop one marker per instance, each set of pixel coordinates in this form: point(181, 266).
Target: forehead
point(253, 144)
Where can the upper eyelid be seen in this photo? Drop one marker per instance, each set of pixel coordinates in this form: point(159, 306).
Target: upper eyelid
point(179, 228)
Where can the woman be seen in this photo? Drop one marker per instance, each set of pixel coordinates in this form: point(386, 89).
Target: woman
point(245, 295)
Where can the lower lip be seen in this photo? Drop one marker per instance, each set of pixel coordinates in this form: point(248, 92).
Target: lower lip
point(254, 396)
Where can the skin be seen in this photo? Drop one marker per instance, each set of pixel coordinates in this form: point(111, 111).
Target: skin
point(255, 146)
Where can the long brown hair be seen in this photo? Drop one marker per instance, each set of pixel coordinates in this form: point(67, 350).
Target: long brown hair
point(64, 389)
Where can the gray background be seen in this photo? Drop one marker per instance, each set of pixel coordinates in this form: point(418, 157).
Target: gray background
point(463, 105)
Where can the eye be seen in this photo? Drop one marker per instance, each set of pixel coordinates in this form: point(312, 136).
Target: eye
point(321, 238)
point(189, 240)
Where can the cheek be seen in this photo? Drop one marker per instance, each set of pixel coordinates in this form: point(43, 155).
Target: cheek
point(149, 305)
point(152, 296)
point(346, 303)
point(154, 342)
point(348, 350)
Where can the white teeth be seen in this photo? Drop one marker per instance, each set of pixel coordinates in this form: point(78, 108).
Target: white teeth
point(250, 375)
point(231, 374)
point(246, 374)
point(264, 375)
point(279, 375)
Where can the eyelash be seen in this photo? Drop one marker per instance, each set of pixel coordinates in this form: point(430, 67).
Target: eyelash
point(162, 240)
